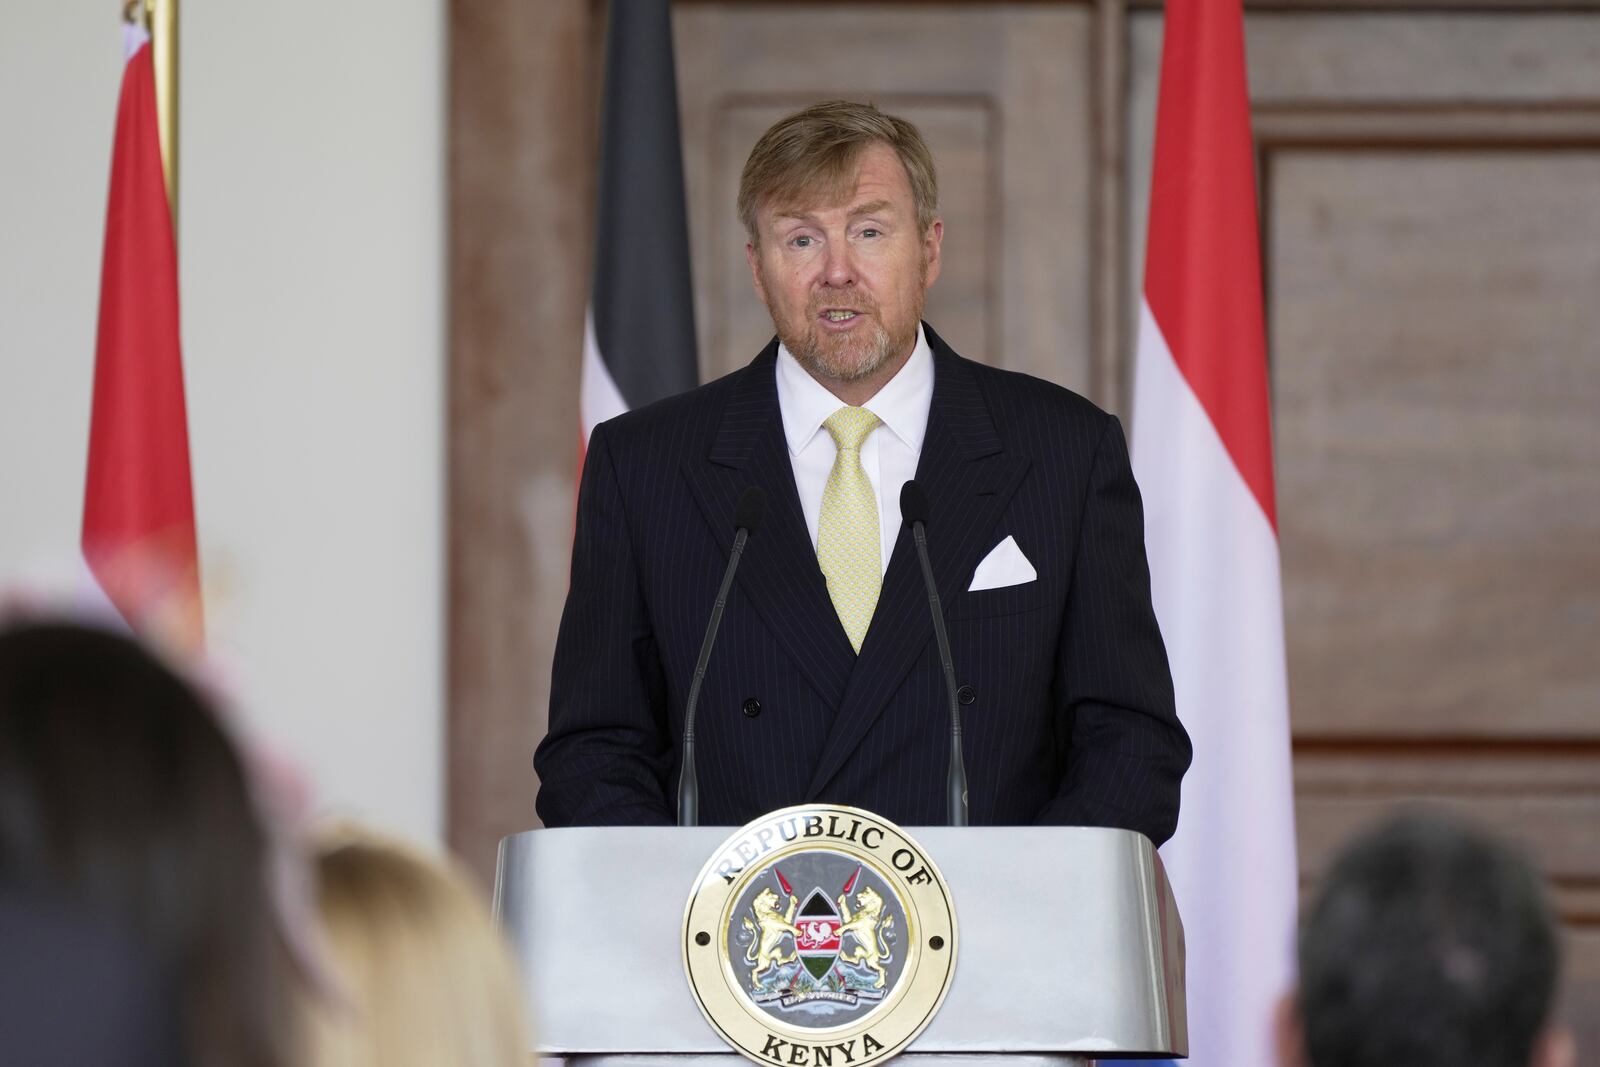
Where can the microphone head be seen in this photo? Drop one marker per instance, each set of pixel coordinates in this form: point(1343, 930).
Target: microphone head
point(752, 506)
point(913, 504)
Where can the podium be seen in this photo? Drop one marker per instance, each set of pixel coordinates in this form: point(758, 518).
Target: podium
point(1071, 947)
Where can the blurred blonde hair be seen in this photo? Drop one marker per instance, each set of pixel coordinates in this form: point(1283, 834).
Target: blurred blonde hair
point(424, 977)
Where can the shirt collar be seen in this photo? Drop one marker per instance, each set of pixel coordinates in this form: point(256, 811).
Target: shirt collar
point(902, 403)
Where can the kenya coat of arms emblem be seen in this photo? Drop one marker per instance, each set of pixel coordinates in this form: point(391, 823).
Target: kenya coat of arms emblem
point(817, 936)
point(817, 969)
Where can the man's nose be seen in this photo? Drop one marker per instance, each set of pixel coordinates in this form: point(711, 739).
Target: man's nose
point(838, 270)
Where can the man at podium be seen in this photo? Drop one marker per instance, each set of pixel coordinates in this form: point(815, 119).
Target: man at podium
point(826, 682)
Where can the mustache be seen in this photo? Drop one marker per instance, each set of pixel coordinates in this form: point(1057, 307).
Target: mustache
point(859, 303)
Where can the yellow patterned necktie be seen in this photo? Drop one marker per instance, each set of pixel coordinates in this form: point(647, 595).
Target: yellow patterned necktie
point(848, 547)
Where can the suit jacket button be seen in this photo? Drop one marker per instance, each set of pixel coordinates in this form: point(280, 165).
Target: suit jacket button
point(752, 707)
point(967, 695)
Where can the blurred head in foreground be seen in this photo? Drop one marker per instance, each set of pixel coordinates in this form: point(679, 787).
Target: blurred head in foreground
point(424, 976)
point(76, 989)
point(121, 797)
point(1430, 944)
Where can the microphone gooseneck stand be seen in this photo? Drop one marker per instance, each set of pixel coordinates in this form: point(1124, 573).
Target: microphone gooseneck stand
point(914, 511)
point(746, 519)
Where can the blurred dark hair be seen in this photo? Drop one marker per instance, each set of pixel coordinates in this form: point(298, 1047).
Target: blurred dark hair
point(120, 793)
point(74, 989)
point(1430, 944)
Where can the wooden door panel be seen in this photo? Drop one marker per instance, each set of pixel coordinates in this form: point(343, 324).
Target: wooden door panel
point(1545, 796)
point(1438, 439)
point(1417, 57)
point(1002, 93)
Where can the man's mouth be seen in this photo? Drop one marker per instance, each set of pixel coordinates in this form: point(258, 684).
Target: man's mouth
point(839, 314)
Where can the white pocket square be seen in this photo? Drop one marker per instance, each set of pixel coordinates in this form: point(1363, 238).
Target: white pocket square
point(1004, 565)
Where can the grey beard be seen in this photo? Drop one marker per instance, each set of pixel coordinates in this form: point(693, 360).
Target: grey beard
point(810, 352)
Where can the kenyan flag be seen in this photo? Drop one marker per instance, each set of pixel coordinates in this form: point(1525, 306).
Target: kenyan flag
point(639, 341)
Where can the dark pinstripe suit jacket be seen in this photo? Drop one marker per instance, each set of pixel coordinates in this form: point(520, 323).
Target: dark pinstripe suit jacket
point(1073, 721)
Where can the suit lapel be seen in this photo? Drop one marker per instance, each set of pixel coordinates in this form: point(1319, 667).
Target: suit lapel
point(969, 479)
point(779, 572)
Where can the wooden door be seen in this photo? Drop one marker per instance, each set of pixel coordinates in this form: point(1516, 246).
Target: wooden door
point(1004, 96)
point(1430, 184)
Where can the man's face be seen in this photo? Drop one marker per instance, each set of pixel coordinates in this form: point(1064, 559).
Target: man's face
point(846, 282)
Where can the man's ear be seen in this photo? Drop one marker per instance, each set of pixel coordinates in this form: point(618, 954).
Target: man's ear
point(930, 250)
point(752, 258)
point(1554, 1047)
point(1289, 1032)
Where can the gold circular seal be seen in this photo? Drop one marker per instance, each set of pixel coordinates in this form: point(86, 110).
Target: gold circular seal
point(819, 936)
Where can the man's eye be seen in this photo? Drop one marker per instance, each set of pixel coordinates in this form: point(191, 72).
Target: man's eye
point(801, 242)
point(871, 231)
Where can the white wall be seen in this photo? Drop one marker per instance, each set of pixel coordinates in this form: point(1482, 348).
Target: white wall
point(312, 259)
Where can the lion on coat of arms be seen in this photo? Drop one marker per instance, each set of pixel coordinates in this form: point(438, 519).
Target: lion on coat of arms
point(767, 934)
point(867, 926)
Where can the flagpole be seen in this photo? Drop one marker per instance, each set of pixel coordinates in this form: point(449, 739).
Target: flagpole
point(163, 15)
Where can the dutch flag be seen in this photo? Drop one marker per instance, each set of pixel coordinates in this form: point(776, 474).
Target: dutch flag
point(1202, 452)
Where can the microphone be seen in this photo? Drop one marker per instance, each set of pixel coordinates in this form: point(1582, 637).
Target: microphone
point(914, 511)
point(746, 519)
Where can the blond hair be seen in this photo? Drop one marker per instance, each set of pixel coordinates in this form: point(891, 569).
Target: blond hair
point(423, 977)
point(812, 154)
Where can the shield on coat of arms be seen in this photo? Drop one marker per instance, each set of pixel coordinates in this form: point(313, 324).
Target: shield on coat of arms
point(817, 934)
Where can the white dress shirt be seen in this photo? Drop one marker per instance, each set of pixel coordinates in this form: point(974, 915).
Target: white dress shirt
point(890, 452)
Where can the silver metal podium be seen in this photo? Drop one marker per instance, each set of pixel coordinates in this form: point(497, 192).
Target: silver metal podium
point(1071, 946)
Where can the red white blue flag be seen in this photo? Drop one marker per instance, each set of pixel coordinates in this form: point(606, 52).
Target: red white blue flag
point(1202, 452)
